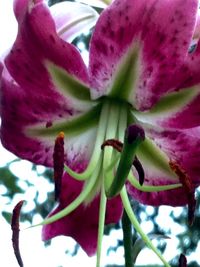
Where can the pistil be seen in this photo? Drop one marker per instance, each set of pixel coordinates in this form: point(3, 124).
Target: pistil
point(134, 135)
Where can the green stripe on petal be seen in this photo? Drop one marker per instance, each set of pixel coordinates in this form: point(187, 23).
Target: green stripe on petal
point(72, 127)
point(171, 103)
point(126, 75)
point(67, 83)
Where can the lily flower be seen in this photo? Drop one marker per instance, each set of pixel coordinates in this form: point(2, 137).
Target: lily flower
point(137, 101)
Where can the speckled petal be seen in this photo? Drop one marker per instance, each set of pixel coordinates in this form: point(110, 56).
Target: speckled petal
point(179, 110)
point(182, 147)
point(188, 117)
point(152, 25)
point(17, 116)
point(37, 40)
point(81, 224)
point(21, 111)
point(115, 31)
point(28, 96)
point(166, 37)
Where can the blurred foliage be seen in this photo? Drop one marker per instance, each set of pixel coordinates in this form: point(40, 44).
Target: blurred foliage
point(188, 239)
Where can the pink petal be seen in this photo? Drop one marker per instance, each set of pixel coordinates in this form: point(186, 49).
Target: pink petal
point(37, 40)
point(175, 110)
point(72, 19)
point(187, 117)
point(151, 24)
point(115, 31)
point(174, 197)
point(182, 147)
point(28, 96)
point(166, 38)
point(21, 109)
point(72, 225)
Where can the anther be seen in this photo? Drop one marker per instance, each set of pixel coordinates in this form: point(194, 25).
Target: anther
point(116, 144)
point(15, 231)
point(138, 166)
point(58, 162)
point(182, 261)
point(188, 187)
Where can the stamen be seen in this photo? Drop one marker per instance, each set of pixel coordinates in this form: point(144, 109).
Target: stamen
point(102, 213)
point(58, 162)
point(97, 148)
point(151, 188)
point(137, 164)
point(116, 144)
point(134, 135)
point(15, 232)
point(111, 132)
point(182, 261)
point(188, 187)
point(76, 202)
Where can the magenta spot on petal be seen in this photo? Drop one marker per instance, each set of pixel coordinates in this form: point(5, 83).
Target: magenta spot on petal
point(49, 124)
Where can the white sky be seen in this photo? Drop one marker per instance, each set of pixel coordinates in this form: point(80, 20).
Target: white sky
point(32, 248)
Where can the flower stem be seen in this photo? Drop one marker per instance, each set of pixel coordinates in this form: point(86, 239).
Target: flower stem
point(102, 212)
point(137, 227)
point(127, 238)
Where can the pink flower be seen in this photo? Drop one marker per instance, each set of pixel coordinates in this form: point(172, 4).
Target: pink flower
point(144, 60)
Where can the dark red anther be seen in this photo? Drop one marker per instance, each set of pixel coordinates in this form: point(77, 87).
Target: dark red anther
point(15, 232)
point(58, 162)
point(188, 187)
point(138, 166)
point(182, 261)
point(116, 144)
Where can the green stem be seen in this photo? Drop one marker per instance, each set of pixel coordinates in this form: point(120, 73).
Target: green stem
point(127, 238)
point(137, 227)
